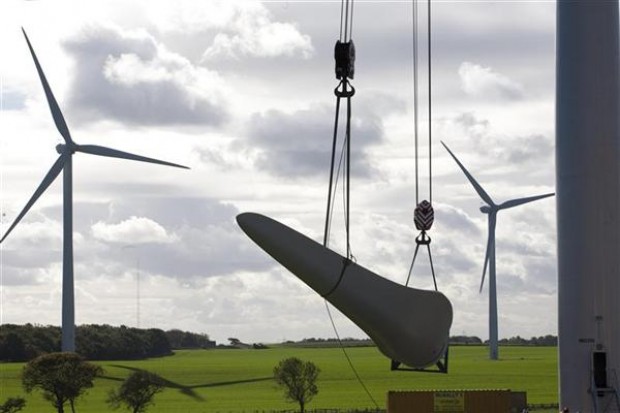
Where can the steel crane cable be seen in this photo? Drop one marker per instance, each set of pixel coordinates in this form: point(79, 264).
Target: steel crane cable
point(345, 56)
point(416, 99)
point(430, 107)
point(346, 20)
point(333, 185)
point(423, 214)
point(414, 52)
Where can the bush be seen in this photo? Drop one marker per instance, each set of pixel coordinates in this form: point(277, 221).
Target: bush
point(12, 405)
point(137, 391)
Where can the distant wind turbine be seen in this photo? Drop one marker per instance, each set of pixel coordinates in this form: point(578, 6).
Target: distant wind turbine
point(64, 164)
point(491, 209)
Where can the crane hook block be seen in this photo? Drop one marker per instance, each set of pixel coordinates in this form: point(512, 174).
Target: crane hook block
point(424, 216)
point(344, 53)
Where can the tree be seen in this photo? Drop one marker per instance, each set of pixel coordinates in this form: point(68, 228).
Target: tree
point(298, 378)
point(62, 377)
point(234, 341)
point(137, 391)
point(12, 405)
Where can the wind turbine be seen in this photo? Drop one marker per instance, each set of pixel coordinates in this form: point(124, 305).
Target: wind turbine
point(491, 209)
point(64, 164)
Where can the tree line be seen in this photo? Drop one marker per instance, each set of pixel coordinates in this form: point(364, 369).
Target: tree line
point(95, 342)
point(547, 340)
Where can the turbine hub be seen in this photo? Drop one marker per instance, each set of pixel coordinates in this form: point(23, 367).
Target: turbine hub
point(485, 209)
point(68, 149)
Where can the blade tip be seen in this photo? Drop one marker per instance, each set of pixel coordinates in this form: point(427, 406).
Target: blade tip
point(25, 35)
point(247, 219)
point(176, 165)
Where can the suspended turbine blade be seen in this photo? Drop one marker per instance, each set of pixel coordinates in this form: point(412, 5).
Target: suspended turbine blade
point(59, 120)
point(490, 245)
point(47, 180)
point(521, 201)
point(113, 153)
point(373, 303)
point(485, 197)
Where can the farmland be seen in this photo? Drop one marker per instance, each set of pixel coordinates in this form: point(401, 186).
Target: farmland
point(240, 380)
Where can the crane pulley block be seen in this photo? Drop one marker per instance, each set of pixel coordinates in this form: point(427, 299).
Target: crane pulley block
point(424, 216)
point(344, 53)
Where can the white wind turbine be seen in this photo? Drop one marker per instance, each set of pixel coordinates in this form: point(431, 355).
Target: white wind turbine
point(64, 164)
point(491, 209)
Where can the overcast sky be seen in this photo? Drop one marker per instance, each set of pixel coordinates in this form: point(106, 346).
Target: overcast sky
point(242, 92)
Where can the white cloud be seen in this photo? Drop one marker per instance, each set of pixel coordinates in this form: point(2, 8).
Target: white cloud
point(128, 69)
point(486, 139)
point(192, 16)
point(130, 76)
point(238, 28)
point(135, 230)
point(36, 234)
point(480, 81)
point(248, 29)
point(260, 39)
point(299, 144)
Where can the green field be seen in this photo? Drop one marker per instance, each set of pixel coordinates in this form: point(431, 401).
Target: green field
point(240, 380)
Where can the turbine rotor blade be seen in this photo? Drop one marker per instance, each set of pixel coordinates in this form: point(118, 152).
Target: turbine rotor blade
point(59, 120)
point(490, 245)
point(481, 192)
point(484, 269)
point(113, 153)
point(521, 201)
point(45, 183)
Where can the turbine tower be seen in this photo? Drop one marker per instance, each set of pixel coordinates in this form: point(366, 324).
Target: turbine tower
point(64, 164)
point(587, 151)
point(491, 209)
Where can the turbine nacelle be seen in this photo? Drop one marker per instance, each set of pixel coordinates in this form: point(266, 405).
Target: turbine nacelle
point(485, 209)
point(63, 149)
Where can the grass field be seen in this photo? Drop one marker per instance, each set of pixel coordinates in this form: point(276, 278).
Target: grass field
point(240, 380)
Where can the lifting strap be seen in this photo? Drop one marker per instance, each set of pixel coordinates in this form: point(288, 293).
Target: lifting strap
point(344, 54)
point(423, 218)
